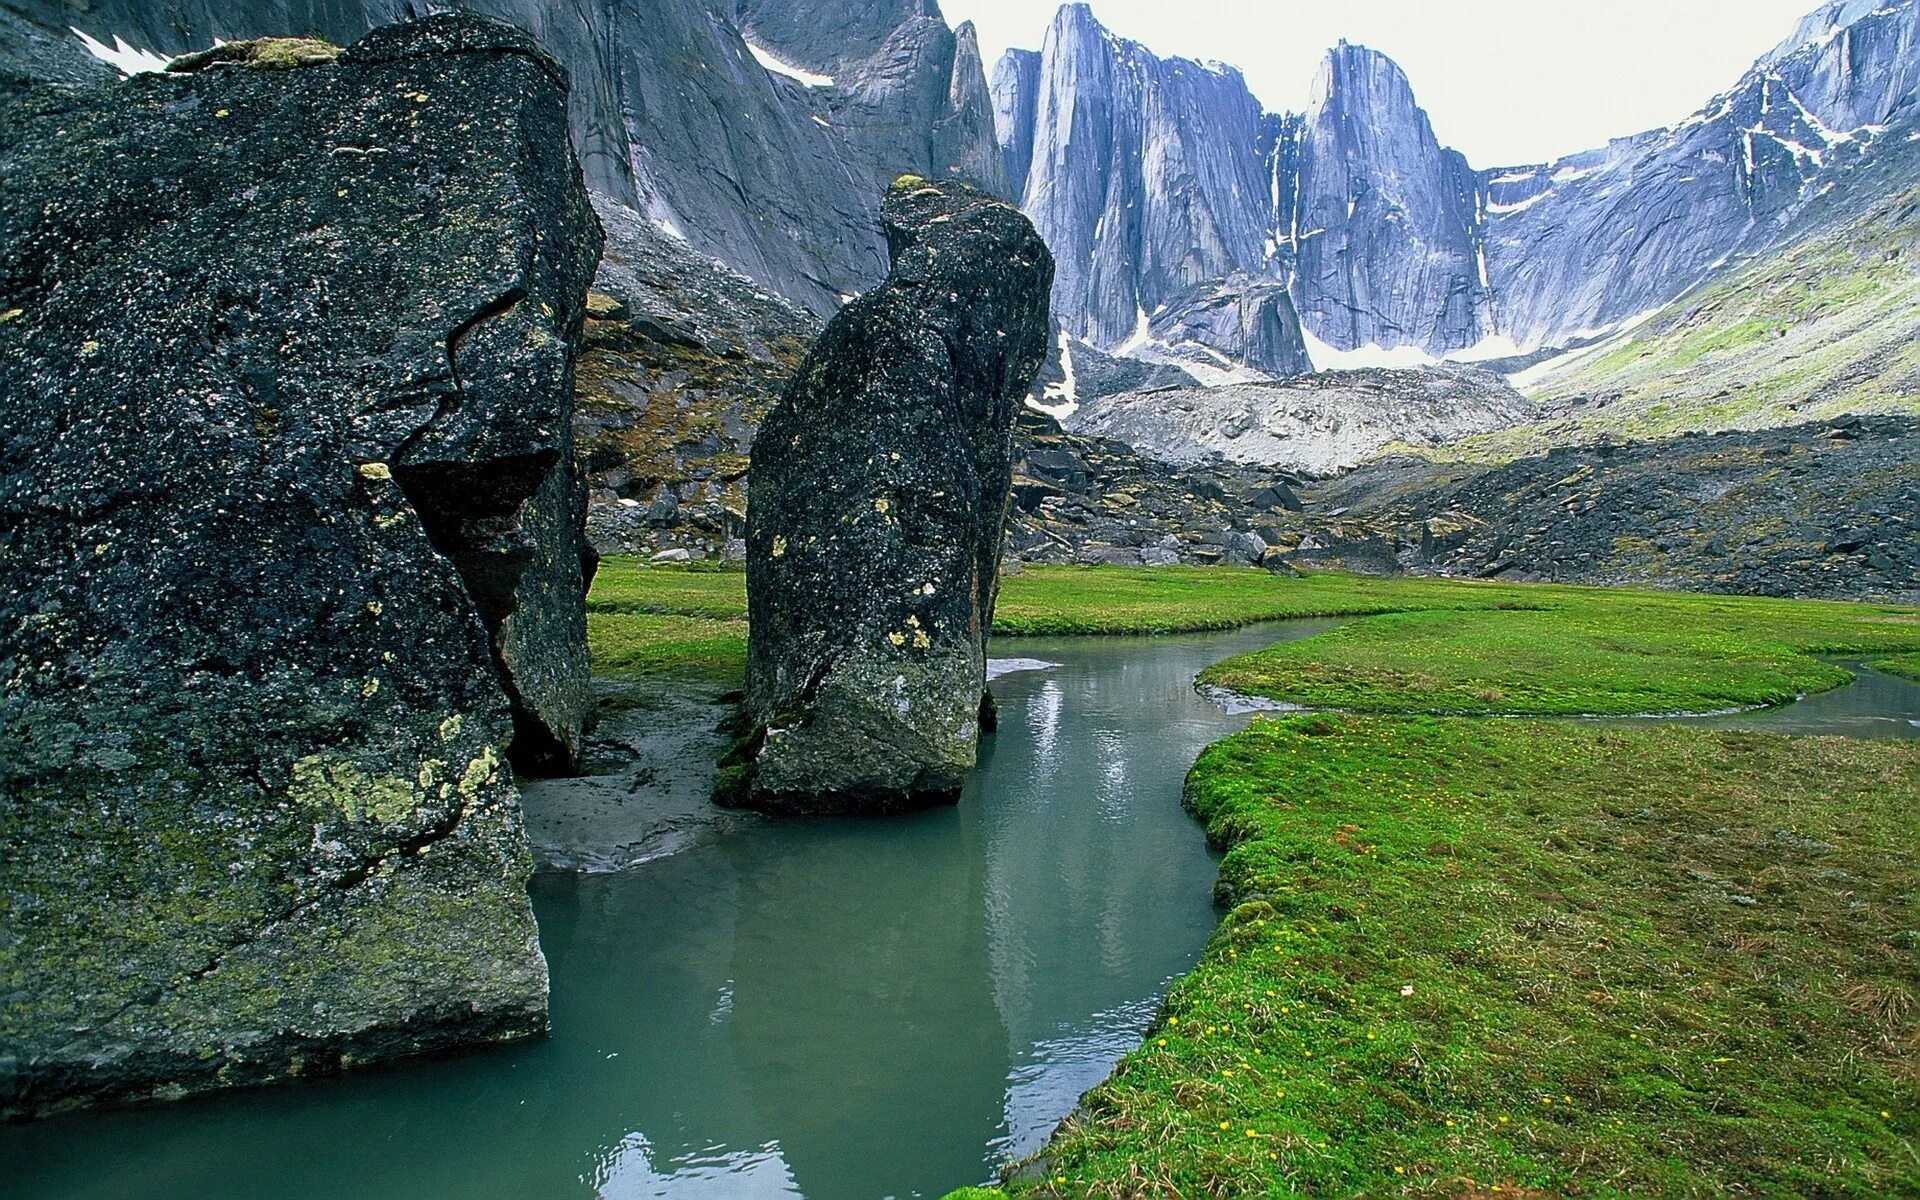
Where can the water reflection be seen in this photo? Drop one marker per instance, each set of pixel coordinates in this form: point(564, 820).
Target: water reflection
point(829, 1009)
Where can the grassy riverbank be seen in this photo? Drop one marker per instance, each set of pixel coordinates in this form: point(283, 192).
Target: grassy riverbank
point(1425, 645)
point(1469, 957)
point(1907, 666)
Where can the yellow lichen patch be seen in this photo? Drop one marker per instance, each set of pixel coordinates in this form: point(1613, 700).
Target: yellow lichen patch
point(260, 54)
point(375, 470)
point(369, 689)
point(897, 638)
point(779, 546)
point(450, 728)
point(480, 772)
point(12, 314)
point(602, 307)
point(329, 783)
point(881, 505)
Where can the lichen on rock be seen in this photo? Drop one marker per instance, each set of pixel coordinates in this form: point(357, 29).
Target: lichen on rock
point(291, 536)
point(876, 515)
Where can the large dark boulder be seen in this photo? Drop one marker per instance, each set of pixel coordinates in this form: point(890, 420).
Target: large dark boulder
point(876, 512)
point(287, 515)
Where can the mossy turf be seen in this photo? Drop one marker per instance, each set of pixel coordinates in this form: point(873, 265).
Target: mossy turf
point(1907, 666)
point(1478, 957)
point(1576, 651)
point(623, 643)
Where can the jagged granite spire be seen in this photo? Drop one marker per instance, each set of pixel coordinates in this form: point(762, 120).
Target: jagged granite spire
point(1144, 175)
point(1382, 226)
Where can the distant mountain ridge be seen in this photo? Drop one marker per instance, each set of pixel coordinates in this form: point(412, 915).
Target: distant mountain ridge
point(1157, 179)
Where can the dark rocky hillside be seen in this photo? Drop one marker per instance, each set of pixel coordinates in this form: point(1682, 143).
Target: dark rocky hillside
point(1829, 509)
point(291, 536)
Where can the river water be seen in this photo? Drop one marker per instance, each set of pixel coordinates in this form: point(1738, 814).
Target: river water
point(771, 1008)
point(746, 1008)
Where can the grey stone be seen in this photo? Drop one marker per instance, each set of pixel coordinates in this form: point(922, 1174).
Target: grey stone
point(880, 487)
point(291, 541)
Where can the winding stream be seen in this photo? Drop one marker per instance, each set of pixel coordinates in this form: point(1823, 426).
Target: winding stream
point(747, 1008)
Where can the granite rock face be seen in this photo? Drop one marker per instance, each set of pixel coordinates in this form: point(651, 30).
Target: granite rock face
point(1382, 228)
point(1152, 177)
point(876, 511)
point(675, 117)
point(1143, 174)
point(1593, 239)
point(291, 541)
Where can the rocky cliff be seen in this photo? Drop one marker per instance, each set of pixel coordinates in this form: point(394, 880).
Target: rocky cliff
point(876, 515)
point(1593, 239)
point(291, 541)
point(757, 131)
point(1143, 174)
point(1381, 240)
point(1152, 177)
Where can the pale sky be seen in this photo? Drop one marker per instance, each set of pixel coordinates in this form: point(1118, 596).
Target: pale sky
point(1506, 82)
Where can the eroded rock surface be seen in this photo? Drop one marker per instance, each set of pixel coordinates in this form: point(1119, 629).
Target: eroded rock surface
point(875, 521)
point(286, 517)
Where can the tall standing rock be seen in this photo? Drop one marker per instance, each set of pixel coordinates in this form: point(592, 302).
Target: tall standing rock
point(876, 511)
point(291, 544)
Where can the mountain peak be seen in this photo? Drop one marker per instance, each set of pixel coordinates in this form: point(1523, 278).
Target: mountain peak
point(1828, 21)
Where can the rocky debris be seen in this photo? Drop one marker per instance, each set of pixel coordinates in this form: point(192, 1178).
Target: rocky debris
point(1823, 510)
point(1075, 372)
point(1314, 424)
point(682, 359)
point(290, 534)
point(880, 492)
point(1094, 500)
